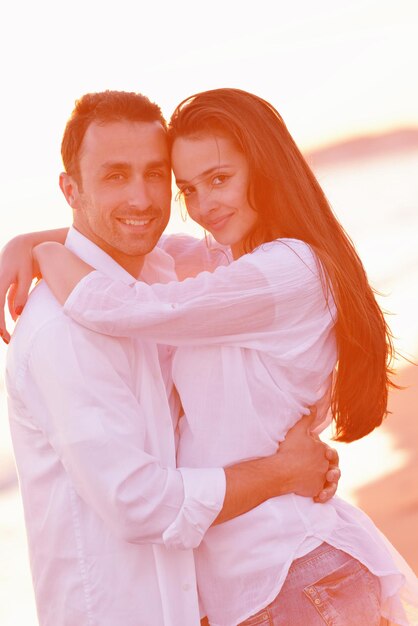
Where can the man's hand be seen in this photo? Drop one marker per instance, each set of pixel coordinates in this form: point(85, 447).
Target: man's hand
point(303, 465)
point(332, 477)
point(16, 275)
point(312, 465)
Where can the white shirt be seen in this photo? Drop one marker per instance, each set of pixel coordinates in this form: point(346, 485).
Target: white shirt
point(105, 508)
point(257, 347)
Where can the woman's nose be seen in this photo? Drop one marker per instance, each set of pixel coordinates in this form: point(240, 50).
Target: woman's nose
point(207, 200)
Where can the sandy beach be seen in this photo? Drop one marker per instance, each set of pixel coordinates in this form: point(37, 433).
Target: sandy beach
point(392, 501)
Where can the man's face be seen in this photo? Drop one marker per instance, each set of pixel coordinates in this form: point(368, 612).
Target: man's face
point(123, 200)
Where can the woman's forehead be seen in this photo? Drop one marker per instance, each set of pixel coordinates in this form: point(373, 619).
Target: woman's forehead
point(198, 155)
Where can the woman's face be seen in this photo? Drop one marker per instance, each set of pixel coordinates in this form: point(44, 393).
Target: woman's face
point(212, 176)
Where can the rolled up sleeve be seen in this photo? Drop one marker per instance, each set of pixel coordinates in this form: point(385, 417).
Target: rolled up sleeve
point(204, 494)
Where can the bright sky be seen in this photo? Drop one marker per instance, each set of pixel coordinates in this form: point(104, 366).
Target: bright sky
point(332, 68)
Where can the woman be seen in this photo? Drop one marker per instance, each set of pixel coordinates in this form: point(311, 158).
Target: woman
point(258, 335)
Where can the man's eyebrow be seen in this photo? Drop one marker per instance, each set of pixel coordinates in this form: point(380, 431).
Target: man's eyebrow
point(208, 172)
point(114, 164)
point(126, 165)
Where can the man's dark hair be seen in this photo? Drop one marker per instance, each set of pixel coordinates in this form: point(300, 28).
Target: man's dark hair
point(103, 107)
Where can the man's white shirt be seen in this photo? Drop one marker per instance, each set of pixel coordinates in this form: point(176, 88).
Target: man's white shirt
point(111, 522)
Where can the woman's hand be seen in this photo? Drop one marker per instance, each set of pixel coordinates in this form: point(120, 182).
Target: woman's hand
point(60, 268)
point(17, 270)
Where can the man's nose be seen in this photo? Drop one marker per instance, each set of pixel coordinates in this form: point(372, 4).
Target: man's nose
point(139, 195)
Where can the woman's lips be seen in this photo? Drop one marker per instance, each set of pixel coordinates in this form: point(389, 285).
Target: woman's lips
point(218, 223)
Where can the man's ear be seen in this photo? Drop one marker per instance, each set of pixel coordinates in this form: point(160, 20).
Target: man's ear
point(69, 188)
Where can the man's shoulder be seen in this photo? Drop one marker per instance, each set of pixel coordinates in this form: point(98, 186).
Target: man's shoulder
point(42, 320)
point(41, 309)
point(41, 312)
point(45, 330)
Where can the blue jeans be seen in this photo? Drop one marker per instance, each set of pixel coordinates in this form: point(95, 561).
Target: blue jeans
point(326, 586)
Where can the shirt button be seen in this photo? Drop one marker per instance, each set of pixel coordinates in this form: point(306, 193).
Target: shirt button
point(317, 601)
point(186, 587)
point(311, 590)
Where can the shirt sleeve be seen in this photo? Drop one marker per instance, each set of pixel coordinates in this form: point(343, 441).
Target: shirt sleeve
point(94, 422)
point(264, 292)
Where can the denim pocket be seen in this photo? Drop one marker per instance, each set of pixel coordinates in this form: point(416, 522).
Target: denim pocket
point(259, 619)
point(348, 596)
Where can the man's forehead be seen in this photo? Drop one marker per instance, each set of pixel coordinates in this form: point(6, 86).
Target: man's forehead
point(120, 135)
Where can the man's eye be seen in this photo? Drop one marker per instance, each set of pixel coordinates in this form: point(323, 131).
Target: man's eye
point(115, 176)
point(155, 174)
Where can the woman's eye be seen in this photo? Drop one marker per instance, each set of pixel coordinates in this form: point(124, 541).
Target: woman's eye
point(219, 179)
point(186, 191)
point(183, 193)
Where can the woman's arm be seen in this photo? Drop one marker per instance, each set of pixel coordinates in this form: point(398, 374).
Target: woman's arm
point(17, 271)
point(63, 271)
point(60, 268)
point(258, 296)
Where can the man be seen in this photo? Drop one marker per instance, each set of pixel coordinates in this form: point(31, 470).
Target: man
point(111, 521)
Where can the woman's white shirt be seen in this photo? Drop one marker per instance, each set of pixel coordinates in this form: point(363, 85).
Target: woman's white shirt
point(256, 348)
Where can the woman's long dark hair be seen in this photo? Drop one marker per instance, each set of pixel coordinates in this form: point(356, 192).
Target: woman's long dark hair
point(290, 203)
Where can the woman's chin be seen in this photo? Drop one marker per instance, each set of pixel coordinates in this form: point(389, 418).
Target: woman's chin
point(223, 241)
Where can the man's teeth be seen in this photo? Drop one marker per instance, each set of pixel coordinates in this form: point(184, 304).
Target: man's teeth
point(136, 222)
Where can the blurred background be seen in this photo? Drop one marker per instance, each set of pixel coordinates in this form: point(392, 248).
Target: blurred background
point(344, 77)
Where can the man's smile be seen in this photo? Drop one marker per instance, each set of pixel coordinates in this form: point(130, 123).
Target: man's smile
point(135, 222)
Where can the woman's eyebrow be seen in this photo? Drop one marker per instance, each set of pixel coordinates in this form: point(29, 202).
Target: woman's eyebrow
point(207, 172)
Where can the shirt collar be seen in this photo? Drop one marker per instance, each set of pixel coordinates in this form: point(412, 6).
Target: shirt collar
point(158, 265)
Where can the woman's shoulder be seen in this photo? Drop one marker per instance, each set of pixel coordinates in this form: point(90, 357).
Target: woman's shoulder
point(289, 262)
point(285, 251)
point(284, 243)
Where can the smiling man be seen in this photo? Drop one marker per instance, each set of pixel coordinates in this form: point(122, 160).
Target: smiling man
point(111, 521)
point(122, 200)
